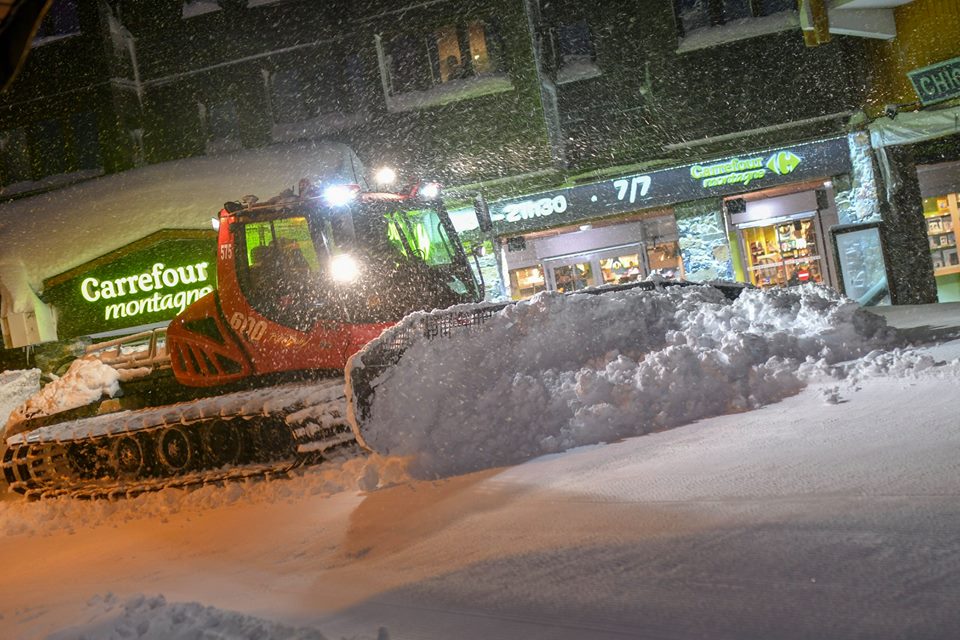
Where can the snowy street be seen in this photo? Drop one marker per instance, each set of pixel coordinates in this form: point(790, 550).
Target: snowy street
point(799, 519)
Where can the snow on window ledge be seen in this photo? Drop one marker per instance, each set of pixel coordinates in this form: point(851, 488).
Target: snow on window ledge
point(223, 145)
point(39, 42)
point(577, 70)
point(323, 124)
point(738, 30)
point(451, 91)
point(199, 7)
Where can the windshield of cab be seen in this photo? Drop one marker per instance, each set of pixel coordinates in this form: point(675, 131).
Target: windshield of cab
point(419, 233)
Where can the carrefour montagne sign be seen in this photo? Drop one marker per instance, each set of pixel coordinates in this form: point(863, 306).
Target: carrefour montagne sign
point(744, 171)
point(146, 282)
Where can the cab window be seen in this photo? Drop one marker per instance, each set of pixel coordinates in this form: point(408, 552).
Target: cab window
point(278, 270)
point(423, 233)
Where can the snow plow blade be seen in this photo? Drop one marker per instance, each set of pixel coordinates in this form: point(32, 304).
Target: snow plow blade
point(376, 363)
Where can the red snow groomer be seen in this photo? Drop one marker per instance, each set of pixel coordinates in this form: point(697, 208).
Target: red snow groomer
point(305, 280)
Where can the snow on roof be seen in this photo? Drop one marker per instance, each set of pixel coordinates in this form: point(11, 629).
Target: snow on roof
point(50, 233)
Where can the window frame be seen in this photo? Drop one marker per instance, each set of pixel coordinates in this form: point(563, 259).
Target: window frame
point(41, 39)
point(437, 89)
point(721, 30)
point(556, 54)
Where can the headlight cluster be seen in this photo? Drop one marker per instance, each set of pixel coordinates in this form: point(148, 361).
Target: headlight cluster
point(344, 268)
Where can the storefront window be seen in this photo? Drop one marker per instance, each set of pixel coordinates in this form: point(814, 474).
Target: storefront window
point(573, 277)
point(664, 259)
point(943, 222)
point(784, 254)
point(526, 282)
point(941, 231)
point(621, 269)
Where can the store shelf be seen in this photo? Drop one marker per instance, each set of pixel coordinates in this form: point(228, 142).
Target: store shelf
point(947, 271)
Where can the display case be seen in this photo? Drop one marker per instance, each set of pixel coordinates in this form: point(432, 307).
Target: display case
point(941, 216)
point(858, 250)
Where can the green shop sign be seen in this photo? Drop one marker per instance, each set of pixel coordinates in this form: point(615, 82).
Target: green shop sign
point(745, 171)
point(938, 82)
point(149, 281)
point(748, 171)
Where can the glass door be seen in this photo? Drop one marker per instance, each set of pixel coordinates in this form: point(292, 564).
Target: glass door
point(800, 249)
point(572, 277)
point(783, 254)
point(621, 269)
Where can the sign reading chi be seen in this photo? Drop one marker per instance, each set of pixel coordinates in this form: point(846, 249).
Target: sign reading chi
point(938, 82)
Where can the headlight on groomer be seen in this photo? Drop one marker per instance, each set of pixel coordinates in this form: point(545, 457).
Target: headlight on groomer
point(344, 268)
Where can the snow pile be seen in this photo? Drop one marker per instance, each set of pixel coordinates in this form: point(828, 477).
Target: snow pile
point(562, 371)
point(153, 618)
point(87, 380)
point(15, 388)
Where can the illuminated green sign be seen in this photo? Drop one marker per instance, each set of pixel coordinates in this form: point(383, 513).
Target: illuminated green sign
point(147, 282)
point(745, 171)
point(124, 293)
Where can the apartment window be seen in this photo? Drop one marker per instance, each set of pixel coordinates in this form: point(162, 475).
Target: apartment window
point(14, 156)
point(301, 92)
point(573, 52)
point(452, 52)
point(288, 99)
point(697, 14)
point(61, 20)
point(86, 136)
point(48, 147)
point(223, 127)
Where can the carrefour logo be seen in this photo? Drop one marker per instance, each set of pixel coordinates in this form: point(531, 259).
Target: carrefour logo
point(783, 162)
point(745, 170)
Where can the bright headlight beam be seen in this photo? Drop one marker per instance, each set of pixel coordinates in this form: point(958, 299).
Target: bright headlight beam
point(385, 175)
point(429, 190)
point(338, 195)
point(344, 268)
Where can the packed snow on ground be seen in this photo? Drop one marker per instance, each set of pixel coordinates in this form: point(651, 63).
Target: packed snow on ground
point(822, 505)
point(153, 618)
point(560, 371)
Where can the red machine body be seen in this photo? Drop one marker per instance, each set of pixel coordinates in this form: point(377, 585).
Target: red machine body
point(303, 319)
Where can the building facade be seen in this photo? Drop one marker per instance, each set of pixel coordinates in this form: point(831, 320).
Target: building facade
point(609, 141)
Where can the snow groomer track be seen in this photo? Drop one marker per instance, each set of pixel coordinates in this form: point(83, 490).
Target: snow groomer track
point(249, 434)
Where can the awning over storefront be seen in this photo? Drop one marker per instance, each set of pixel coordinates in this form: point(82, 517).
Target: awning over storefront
point(914, 126)
point(909, 128)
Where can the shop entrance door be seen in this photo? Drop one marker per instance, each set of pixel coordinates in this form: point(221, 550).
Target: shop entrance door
point(785, 253)
point(617, 265)
point(572, 277)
